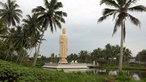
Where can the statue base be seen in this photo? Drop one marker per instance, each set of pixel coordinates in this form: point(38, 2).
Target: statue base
point(63, 61)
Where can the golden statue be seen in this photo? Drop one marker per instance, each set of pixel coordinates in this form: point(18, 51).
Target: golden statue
point(63, 47)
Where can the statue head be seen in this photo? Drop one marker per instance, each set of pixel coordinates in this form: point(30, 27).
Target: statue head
point(64, 31)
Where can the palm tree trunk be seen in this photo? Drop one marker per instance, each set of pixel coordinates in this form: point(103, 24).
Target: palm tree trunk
point(121, 47)
point(38, 50)
point(19, 53)
point(19, 56)
point(7, 54)
point(22, 58)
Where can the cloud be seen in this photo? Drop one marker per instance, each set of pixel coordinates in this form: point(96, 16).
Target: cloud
point(85, 34)
point(83, 30)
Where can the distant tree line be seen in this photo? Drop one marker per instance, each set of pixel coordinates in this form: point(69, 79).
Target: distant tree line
point(109, 55)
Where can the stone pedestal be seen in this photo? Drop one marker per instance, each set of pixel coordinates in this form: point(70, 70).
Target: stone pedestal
point(63, 61)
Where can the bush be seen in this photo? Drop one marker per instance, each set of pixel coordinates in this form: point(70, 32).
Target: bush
point(12, 72)
point(122, 77)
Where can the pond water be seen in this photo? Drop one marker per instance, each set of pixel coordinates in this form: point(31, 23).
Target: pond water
point(136, 75)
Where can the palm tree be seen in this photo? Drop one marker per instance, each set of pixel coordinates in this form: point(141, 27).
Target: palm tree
point(49, 15)
point(126, 55)
point(32, 29)
point(31, 24)
point(10, 13)
point(120, 11)
point(96, 54)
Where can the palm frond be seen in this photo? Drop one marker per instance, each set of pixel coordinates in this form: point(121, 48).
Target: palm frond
point(115, 29)
point(16, 6)
point(52, 3)
point(58, 23)
point(104, 17)
point(64, 14)
point(60, 13)
point(18, 10)
point(18, 14)
point(46, 3)
point(38, 9)
point(121, 2)
point(107, 11)
point(118, 22)
point(58, 5)
point(139, 8)
point(130, 2)
point(110, 3)
point(54, 24)
point(134, 20)
point(51, 25)
point(62, 20)
point(16, 18)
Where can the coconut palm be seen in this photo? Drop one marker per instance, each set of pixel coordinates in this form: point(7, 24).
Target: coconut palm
point(51, 16)
point(10, 12)
point(32, 29)
point(119, 9)
point(17, 41)
point(126, 55)
point(31, 24)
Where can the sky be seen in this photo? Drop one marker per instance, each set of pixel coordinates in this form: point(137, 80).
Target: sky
point(84, 33)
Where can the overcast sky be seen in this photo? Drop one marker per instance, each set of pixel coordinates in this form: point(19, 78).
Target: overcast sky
point(84, 32)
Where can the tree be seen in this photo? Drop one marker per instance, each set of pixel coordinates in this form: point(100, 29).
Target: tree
point(17, 41)
point(84, 57)
point(120, 13)
point(31, 25)
point(3, 29)
point(49, 15)
point(10, 14)
point(96, 54)
point(32, 29)
point(141, 56)
point(72, 57)
point(127, 55)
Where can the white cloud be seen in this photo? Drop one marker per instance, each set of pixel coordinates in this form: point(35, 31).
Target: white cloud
point(83, 31)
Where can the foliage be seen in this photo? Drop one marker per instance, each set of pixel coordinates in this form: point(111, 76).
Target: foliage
point(141, 56)
point(122, 77)
point(108, 55)
point(10, 12)
point(11, 72)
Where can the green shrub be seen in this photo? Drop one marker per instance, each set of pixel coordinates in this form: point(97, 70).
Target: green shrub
point(11, 72)
point(122, 77)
